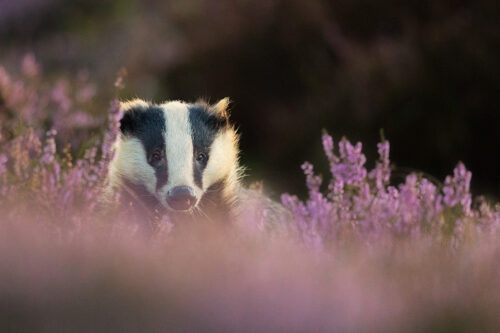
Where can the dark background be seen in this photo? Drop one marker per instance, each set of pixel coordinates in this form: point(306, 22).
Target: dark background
point(424, 71)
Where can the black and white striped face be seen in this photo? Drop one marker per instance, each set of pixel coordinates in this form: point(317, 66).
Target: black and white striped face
point(175, 151)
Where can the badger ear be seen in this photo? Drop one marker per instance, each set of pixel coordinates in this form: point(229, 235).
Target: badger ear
point(220, 109)
point(128, 121)
point(131, 111)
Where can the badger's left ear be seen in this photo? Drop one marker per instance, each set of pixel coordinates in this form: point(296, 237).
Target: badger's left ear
point(132, 111)
point(220, 109)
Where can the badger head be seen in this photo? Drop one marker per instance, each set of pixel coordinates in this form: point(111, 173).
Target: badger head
point(175, 153)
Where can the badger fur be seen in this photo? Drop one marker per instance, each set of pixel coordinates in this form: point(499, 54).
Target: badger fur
point(177, 158)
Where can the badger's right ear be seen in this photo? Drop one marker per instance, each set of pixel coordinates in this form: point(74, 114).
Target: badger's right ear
point(220, 109)
point(131, 110)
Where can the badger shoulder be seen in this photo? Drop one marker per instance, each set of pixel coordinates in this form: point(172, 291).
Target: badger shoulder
point(258, 210)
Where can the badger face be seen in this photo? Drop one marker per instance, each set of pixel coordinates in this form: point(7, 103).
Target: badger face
point(174, 152)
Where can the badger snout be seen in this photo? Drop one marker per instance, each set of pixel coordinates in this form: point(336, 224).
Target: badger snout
point(181, 198)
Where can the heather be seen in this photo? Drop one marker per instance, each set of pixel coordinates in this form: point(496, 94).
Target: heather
point(425, 71)
point(365, 205)
point(360, 252)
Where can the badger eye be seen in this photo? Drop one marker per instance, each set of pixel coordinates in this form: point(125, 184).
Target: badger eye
point(156, 157)
point(201, 157)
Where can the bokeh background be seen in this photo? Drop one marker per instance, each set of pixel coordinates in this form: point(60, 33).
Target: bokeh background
point(426, 72)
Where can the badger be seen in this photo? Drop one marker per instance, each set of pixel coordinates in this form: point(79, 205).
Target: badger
point(177, 158)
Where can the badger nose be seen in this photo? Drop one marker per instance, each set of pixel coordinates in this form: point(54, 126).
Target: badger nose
point(181, 198)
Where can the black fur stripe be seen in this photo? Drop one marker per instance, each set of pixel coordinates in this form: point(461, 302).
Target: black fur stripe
point(148, 125)
point(204, 127)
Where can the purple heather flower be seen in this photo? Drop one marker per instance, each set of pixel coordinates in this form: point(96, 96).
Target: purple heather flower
point(456, 189)
point(49, 150)
point(382, 171)
point(313, 182)
point(114, 116)
point(29, 66)
point(328, 148)
point(60, 96)
point(3, 174)
point(5, 80)
point(86, 93)
point(353, 206)
point(350, 167)
point(409, 205)
point(3, 162)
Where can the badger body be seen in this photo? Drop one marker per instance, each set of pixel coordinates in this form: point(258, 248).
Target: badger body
point(177, 158)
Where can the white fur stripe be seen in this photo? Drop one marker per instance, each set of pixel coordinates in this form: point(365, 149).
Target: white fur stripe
point(222, 159)
point(179, 145)
point(130, 163)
